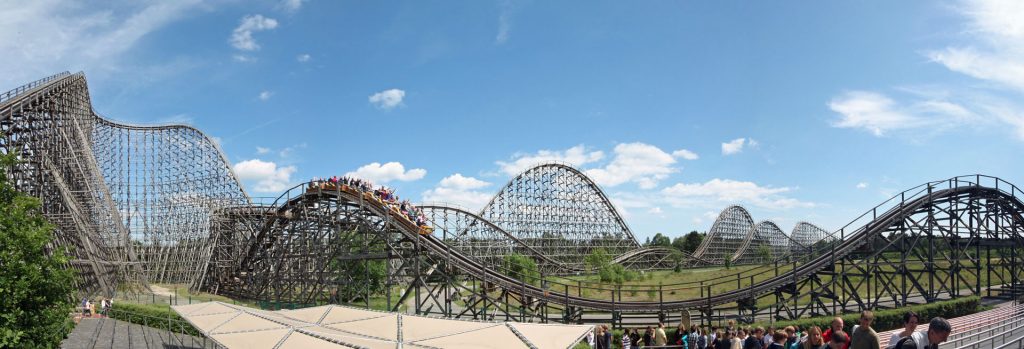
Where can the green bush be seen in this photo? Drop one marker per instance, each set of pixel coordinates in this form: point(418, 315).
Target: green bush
point(888, 319)
point(152, 315)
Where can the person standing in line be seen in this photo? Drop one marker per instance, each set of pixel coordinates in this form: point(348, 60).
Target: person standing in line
point(864, 337)
point(626, 342)
point(766, 339)
point(734, 340)
point(607, 336)
point(702, 338)
point(649, 336)
point(753, 341)
point(814, 339)
point(778, 340)
point(937, 333)
point(635, 338)
point(910, 320)
point(723, 342)
point(692, 338)
point(660, 339)
point(600, 339)
point(837, 326)
point(790, 337)
point(680, 337)
point(838, 340)
point(591, 336)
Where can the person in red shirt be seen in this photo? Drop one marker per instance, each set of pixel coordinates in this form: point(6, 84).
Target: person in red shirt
point(837, 326)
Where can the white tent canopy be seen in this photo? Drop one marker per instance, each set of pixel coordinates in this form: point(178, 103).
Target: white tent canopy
point(335, 326)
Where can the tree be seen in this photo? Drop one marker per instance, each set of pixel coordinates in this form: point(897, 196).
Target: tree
point(600, 260)
point(661, 241)
point(693, 241)
point(35, 288)
point(597, 258)
point(522, 268)
point(358, 278)
point(765, 253)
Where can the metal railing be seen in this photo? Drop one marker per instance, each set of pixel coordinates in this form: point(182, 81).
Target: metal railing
point(1002, 339)
point(126, 329)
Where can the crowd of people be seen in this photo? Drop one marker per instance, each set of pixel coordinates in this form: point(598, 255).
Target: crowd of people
point(384, 194)
point(861, 336)
point(88, 307)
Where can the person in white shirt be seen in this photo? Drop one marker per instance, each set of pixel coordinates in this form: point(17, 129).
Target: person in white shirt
point(938, 332)
point(910, 320)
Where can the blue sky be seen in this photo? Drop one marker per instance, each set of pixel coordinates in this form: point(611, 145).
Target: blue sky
point(798, 110)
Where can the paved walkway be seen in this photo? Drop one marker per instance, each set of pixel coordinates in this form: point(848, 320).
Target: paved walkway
point(94, 333)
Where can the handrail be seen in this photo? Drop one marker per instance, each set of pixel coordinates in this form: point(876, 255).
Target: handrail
point(6, 96)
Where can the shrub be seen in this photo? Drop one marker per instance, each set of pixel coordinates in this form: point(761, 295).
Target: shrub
point(888, 319)
point(158, 316)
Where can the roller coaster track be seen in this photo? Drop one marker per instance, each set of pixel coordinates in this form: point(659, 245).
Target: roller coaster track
point(851, 244)
point(161, 204)
point(130, 203)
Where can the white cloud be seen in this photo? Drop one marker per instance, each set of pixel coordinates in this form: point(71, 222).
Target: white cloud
point(265, 95)
point(998, 29)
point(460, 190)
point(685, 154)
point(388, 99)
point(292, 5)
point(733, 146)
point(655, 210)
point(305, 57)
point(262, 150)
point(376, 172)
point(241, 37)
point(268, 176)
point(643, 164)
point(727, 191)
point(862, 185)
point(880, 115)
point(576, 156)
point(871, 111)
point(91, 37)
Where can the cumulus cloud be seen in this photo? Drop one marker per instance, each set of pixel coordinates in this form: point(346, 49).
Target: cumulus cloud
point(717, 192)
point(643, 164)
point(262, 150)
point(685, 154)
point(265, 95)
point(241, 37)
point(385, 173)
point(460, 190)
point(303, 58)
point(388, 99)
point(269, 178)
point(862, 185)
point(576, 156)
point(733, 146)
